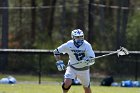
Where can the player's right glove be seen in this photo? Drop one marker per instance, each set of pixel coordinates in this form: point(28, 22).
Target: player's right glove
point(60, 65)
point(89, 60)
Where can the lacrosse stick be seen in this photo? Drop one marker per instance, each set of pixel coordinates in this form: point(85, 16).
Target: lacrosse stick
point(120, 52)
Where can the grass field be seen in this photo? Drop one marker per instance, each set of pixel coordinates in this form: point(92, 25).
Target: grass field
point(52, 84)
point(43, 88)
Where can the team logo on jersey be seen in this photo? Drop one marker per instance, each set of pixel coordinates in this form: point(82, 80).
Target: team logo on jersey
point(78, 51)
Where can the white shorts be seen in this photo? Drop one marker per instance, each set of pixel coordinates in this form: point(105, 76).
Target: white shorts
point(84, 75)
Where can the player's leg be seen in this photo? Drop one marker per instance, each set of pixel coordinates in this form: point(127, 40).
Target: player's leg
point(66, 85)
point(84, 76)
point(69, 75)
point(87, 89)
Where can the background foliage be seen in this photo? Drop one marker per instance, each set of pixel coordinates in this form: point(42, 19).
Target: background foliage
point(46, 24)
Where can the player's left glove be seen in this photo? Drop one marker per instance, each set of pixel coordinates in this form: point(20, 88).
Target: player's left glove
point(89, 60)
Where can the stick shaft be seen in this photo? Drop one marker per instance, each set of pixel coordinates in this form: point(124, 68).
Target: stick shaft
point(98, 57)
point(106, 55)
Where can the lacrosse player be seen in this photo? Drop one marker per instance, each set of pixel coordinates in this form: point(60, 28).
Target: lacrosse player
point(80, 52)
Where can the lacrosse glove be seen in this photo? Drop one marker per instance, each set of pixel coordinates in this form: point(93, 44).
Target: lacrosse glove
point(60, 65)
point(89, 60)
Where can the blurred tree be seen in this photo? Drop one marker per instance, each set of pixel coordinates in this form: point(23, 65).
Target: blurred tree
point(133, 32)
point(81, 15)
point(5, 24)
point(33, 23)
point(125, 14)
point(47, 17)
point(91, 19)
point(37, 27)
point(5, 30)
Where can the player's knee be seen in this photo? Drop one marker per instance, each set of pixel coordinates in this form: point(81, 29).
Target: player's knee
point(66, 86)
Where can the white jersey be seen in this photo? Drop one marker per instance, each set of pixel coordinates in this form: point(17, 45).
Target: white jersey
point(76, 54)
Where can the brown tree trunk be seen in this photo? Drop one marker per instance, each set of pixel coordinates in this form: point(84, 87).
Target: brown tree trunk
point(91, 9)
point(81, 16)
point(33, 23)
point(5, 30)
point(47, 16)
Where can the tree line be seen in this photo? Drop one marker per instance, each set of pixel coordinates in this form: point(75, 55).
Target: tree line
point(45, 24)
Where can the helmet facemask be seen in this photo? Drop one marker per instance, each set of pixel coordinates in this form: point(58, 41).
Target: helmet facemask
point(78, 40)
point(78, 37)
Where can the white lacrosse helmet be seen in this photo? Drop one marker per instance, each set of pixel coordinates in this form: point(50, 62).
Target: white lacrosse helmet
point(77, 33)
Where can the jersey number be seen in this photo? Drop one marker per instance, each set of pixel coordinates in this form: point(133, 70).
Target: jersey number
point(79, 56)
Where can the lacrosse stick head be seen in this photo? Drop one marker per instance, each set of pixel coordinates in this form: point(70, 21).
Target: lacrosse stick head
point(122, 51)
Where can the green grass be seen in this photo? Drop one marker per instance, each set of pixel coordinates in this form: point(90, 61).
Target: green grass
point(33, 77)
point(31, 86)
point(35, 88)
